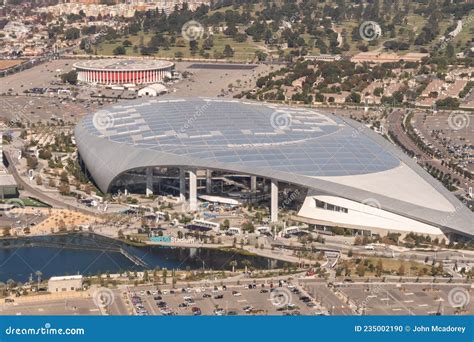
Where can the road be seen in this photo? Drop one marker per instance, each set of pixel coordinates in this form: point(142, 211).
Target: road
point(395, 121)
point(37, 193)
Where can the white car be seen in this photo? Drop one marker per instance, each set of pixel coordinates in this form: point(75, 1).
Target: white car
point(237, 294)
point(219, 312)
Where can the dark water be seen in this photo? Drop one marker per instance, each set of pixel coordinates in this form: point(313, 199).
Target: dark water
point(89, 254)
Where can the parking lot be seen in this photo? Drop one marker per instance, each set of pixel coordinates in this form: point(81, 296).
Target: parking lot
point(219, 300)
point(408, 299)
point(74, 306)
point(35, 109)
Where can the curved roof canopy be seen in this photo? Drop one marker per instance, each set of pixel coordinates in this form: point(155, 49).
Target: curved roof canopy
point(302, 146)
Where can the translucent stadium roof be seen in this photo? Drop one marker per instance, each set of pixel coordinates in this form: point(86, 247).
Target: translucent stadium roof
point(295, 140)
point(325, 153)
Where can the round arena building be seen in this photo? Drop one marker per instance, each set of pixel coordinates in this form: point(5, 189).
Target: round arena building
point(335, 173)
point(123, 71)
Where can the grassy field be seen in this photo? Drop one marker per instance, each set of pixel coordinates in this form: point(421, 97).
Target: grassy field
point(246, 51)
point(242, 51)
point(390, 266)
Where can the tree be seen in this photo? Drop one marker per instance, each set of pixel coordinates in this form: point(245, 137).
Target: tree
point(72, 33)
point(228, 51)
point(70, 77)
point(401, 270)
point(119, 50)
point(64, 177)
point(360, 269)
point(38, 277)
point(225, 225)
point(64, 189)
point(164, 275)
point(233, 263)
point(379, 268)
point(247, 264)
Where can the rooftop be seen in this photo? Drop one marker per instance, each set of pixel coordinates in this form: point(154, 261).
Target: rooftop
point(295, 140)
point(123, 64)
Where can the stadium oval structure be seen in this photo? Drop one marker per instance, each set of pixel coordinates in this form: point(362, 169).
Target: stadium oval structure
point(354, 177)
point(123, 71)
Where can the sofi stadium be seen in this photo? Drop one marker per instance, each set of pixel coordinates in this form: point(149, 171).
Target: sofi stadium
point(333, 171)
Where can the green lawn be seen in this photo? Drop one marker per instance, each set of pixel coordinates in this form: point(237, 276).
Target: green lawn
point(246, 51)
point(242, 51)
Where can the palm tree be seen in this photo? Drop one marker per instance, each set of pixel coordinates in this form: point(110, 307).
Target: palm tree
point(233, 263)
point(246, 263)
point(10, 284)
point(38, 275)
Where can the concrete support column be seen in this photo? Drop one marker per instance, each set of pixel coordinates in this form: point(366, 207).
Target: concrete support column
point(274, 201)
point(253, 183)
point(192, 190)
point(149, 181)
point(182, 185)
point(208, 181)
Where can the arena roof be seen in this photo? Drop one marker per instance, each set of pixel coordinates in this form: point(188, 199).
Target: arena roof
point(296, 145)
point(293, 140)
point(123, 64)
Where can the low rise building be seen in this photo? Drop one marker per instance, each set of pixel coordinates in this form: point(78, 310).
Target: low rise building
point(65, 283)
